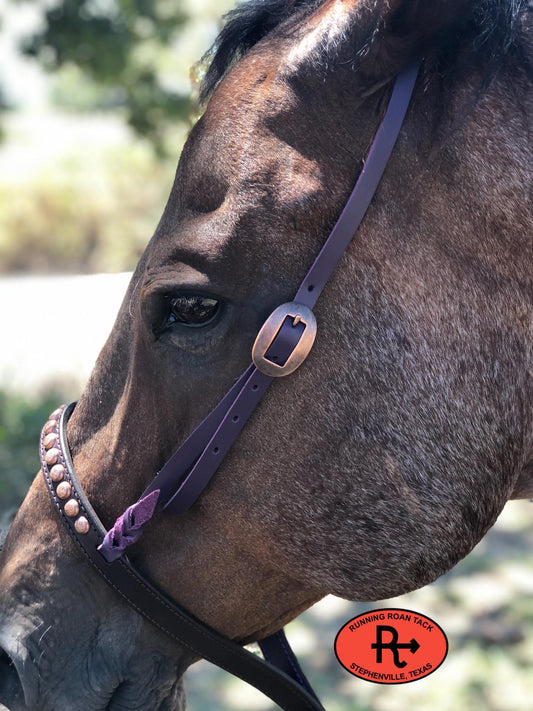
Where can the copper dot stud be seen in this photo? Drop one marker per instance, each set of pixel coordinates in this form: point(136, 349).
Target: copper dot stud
point(51, 456)
point(57, 472)
point(55, 414)
point(72, 508)
point(63, 490)
point(50, 426)
point(82, 525)
point(50, 440)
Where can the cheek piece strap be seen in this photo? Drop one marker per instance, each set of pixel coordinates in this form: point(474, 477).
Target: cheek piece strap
point(281, 346)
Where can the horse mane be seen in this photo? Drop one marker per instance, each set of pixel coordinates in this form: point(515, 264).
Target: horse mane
point(488, 25)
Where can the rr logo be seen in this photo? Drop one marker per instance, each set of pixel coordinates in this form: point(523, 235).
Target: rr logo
point(379, 645)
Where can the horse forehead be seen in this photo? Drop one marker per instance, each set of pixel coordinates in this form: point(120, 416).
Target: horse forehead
point(238, 137)
point(236, 171)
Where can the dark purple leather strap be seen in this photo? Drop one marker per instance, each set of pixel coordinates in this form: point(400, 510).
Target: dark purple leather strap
point(83, 524)
point(194, 463)
point(186, 474)
point(363, 192)
point(183, 459)
point(189, 470)
point(218, 446)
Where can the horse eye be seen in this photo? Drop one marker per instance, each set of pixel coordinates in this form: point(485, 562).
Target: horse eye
point(192, 310)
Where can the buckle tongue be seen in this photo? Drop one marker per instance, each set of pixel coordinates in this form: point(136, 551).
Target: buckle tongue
point(276, 334)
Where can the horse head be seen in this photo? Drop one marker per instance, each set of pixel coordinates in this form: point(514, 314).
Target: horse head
point(386, 457)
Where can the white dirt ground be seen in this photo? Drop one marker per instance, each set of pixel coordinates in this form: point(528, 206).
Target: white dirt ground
point(53, 327)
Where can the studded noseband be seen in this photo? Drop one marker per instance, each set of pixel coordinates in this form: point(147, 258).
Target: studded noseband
point(280, 347)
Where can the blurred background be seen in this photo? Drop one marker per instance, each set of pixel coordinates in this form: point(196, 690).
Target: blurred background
point(96, 99)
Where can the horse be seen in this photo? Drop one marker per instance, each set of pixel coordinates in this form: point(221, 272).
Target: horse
point(378, 464)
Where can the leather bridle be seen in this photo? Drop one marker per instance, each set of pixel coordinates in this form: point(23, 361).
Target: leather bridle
point(281, 346)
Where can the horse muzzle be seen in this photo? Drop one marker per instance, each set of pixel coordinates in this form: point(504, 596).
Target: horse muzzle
point(35, 676)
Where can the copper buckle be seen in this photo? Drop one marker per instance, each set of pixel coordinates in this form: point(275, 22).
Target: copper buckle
point(266, 336)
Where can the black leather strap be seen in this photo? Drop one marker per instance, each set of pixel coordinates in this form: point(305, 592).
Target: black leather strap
point(68, 497)
point(277, 650)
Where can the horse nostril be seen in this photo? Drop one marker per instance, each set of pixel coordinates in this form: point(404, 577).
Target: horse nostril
point(11, 693)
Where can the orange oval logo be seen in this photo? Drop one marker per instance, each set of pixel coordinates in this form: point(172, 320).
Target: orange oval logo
point(391, 646)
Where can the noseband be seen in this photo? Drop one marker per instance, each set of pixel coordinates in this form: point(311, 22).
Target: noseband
point(280, 347)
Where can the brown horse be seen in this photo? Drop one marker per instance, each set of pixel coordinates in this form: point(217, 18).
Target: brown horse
point(383, 460)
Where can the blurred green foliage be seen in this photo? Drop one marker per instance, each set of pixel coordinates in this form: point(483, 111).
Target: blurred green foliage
point(116, 46)
point(21, 421)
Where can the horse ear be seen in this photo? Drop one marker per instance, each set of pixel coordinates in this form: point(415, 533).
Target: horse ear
point(404, 30)
point(381, 37)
